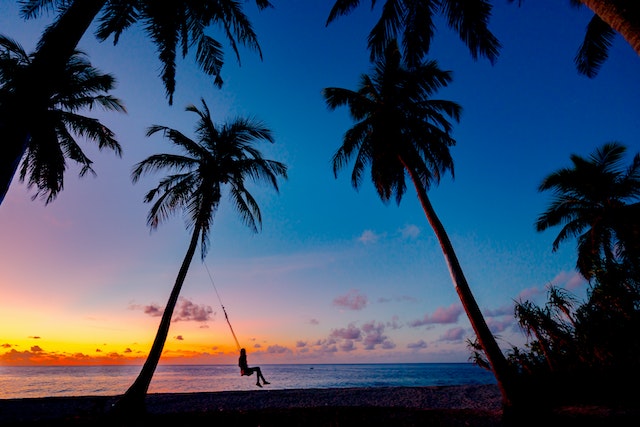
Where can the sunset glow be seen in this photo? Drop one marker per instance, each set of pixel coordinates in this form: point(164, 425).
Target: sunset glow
point(334, 276)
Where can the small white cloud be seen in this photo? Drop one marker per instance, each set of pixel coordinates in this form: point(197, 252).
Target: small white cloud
point(410, 231)
point(368, 236)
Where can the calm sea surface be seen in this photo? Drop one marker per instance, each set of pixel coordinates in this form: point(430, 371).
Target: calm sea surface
point(22, 382)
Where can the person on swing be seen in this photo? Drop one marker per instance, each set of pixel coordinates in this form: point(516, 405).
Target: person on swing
point(246, 370)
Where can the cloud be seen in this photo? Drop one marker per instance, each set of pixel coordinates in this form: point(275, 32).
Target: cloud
point(374, 335)
point(347, 346)
point(313, 322)
point(35, 337)
point(36, 349)
point(187, 310)
point(571, 280)
point(354, 300)
point(440, 316)
point(371, 335)
point(179, 338)
point(529, 293)
point(368, 237)
point(453, 334)
point(278, 349)
point(301, 344)
point(500, 325)
point(153, 310)
point(410, 231)
point(6, 345)
point(505, 310)
point(417, 345)
point(351, 332)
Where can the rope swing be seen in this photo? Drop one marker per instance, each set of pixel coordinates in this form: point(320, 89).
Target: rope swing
point(222, 305)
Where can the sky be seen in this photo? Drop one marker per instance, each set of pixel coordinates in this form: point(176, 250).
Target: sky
point(335, 275)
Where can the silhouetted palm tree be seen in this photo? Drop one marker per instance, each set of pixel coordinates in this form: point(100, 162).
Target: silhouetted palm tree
point(414, 23)
point(53, 124)
point(610, 17)
point(173, 26)
point(591, 202)
point(401, 131)
point(222, 158)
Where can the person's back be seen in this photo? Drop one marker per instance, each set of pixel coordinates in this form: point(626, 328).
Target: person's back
point(242, 362)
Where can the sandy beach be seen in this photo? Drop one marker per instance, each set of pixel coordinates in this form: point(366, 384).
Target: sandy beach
point(482, 399)
point(469, 405)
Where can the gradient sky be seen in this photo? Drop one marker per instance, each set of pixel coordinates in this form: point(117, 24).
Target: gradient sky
point(335, 276)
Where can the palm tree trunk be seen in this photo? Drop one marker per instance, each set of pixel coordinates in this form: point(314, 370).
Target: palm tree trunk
point(133, 399)
point(35, 87)
point(486, 339)
point(621, 15)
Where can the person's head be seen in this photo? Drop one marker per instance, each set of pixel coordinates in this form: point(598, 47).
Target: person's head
point(243, 351)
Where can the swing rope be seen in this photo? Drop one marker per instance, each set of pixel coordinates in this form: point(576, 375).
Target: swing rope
point(222, 305)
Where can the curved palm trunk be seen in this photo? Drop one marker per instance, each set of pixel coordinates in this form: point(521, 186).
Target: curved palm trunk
point(34, 89)
point(486, 339)
point(133, 399)
point(621, 15)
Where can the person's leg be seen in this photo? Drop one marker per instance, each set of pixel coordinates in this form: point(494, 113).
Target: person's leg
point(259, 374)
point(262, 376)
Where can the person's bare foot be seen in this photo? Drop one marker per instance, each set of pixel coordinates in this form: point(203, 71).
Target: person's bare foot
point(259, 385)
point(265, 382)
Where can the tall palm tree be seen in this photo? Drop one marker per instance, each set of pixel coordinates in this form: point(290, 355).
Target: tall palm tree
point(223, 158)
point(591, 201)
point(52, 126)
point(168, 24)
point(414, 21)
point(400, 131)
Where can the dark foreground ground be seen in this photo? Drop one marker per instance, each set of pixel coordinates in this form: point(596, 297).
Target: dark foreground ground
point(372, 407)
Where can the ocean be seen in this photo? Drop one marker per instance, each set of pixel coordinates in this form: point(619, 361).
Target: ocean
point(46, 381)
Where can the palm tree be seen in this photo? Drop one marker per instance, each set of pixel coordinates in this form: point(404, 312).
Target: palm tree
point(223, 157)
point(401, 130)
point(414, 21)
point(623, 16)
point(610, 17)
point(53, 124)
point(168, 24)
point(592, 200)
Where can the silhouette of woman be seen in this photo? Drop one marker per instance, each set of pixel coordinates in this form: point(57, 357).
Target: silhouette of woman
point(246, 370)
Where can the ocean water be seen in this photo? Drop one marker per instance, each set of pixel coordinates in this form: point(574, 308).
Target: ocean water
point(44, 381)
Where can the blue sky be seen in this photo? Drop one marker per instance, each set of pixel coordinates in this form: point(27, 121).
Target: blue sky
point(335, 275)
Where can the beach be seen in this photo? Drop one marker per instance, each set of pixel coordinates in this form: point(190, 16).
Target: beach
point(467, 405)
point(282, 407)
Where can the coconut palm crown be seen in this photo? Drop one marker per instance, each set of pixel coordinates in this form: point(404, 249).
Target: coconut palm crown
point(596, 201)
point(55, 124)
point(413, 22)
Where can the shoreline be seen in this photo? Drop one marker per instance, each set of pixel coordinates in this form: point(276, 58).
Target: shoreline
point(443, 406)
point(43, 410)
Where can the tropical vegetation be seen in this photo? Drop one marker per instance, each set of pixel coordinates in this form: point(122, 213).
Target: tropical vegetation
point(56, 122)
point(402, 132)
point(610, 17)
point(413, 23)
point(222, 160)
point(587, 352)
point(597, 201)
point(172, 26)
